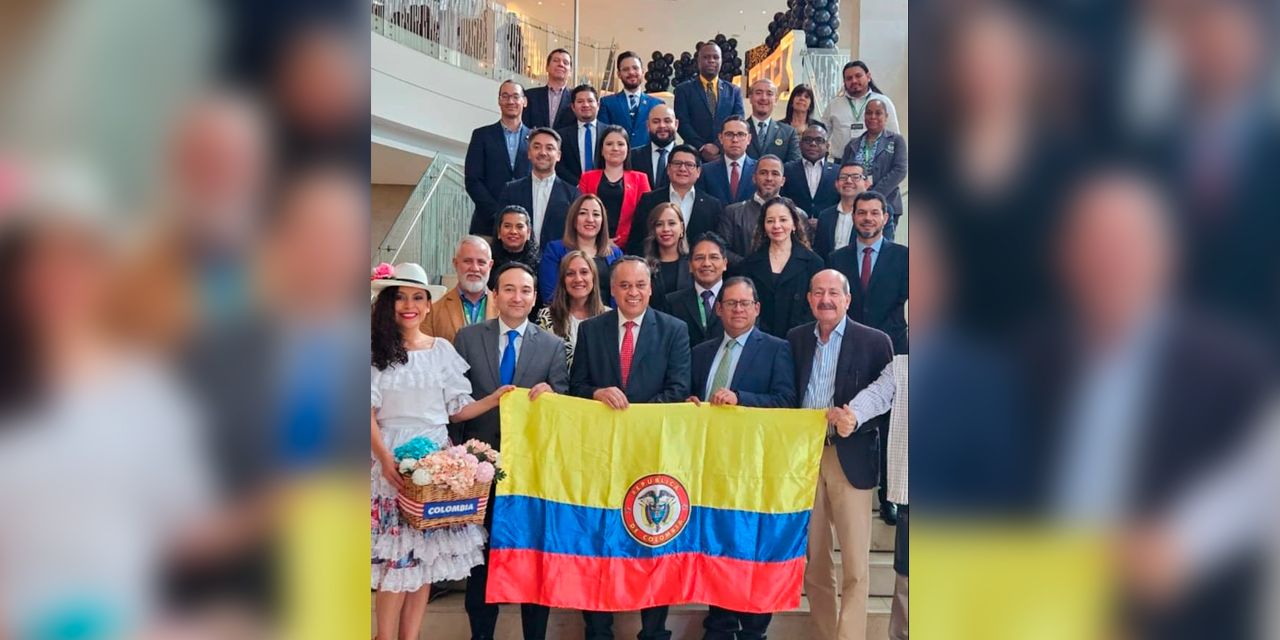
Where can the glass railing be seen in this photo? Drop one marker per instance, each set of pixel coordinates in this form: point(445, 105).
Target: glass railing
point(485, 38)
point(436, 215)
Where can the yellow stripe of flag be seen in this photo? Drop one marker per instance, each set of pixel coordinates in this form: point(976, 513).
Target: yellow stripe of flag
point(581, 452)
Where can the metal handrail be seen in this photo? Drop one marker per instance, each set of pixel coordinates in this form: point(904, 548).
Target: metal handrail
point(422, 209)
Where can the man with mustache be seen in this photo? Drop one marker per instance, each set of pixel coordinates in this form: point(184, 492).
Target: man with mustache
point(542, 193)
point(630, 107)
point(468, 303)
point(652, 156)
point(699, 211)
point(851, 455)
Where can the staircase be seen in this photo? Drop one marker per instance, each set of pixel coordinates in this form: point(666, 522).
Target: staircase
point(432, 221)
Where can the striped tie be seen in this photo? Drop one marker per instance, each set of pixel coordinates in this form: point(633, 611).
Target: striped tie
point(721, 379)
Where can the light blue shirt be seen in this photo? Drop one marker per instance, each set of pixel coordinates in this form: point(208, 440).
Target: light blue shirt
point(733, 362)
point(822, 377)
point(513, 139)
point(875, 254)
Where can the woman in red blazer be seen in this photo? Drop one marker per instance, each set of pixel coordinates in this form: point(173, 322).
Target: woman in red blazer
point(617, 185)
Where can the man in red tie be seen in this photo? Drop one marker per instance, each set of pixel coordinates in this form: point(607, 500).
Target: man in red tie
point(631, 355)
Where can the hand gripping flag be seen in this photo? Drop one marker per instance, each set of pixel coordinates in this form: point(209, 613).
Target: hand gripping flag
point(609, 510)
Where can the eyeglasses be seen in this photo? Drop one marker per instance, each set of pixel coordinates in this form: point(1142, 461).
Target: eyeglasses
point(738, 304)
point(736, 135)
point(850, 178)
point(812, 140)
point(509, 97)
point(683, 164)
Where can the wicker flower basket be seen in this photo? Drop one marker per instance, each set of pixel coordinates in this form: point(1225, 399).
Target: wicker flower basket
point(434, 507)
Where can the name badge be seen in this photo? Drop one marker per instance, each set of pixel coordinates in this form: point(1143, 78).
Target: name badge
point(777, 142)
point(857, 126)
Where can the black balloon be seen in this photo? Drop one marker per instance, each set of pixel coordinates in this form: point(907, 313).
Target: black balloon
point(732, 42)
point(834, 22)
point(808, 26)
point(825, 43)
point(821, 16)
point(823, 31)
point(809, 10)
point(818, 4)
point(810, 40)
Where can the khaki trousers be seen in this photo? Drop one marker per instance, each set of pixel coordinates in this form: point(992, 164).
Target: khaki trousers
point(838, 503)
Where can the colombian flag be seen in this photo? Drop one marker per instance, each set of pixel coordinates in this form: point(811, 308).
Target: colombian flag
point(660, 504)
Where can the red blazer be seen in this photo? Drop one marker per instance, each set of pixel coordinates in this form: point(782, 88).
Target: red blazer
point(634, 185)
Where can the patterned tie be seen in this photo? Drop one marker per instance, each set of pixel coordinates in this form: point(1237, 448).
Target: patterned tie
point(708, 299)
point(711, 95)
point(760, 141)
point(866, 268)
point(632, 104)
point(735, 176)
point(660, 174)
point(588, 150)
point(507, 368)
point(721, 379)
point(628, 349)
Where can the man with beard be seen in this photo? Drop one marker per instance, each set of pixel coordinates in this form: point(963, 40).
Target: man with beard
point(740, 220)
point(699, 211)
point(835, 229)
point(653, 156)
point(630, 107)
point(467, 303)
point(579, 140)
point(543, 194)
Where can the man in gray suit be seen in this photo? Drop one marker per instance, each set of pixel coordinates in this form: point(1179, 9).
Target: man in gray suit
point(768, 136)
point(503, 351)
point(739, 221)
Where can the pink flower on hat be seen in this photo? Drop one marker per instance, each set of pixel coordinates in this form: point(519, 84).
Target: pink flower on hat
point(383, 271)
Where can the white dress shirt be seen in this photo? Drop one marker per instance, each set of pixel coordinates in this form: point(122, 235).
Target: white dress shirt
point(502, 337)
point(653, 157)
point(844, 227)
point(582, 138)
point(622, 328)
point(541, 195)
point(685, 204)
point(813, 174)
point(733, 362)
point(728, 169)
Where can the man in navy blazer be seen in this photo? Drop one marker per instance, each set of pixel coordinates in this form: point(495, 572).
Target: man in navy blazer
point(538, 111)
point(813, 162)
point(700, 120)
point(656, 348)
point(748, 368)
point(630, 107)
point(881, 303)
point(716, 179)
point(497, 154)
point(543, 194)
point(852, 180)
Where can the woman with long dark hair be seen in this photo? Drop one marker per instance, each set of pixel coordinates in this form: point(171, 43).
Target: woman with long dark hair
point(513, 241)
point(577, 298)
point(667, 251)
point(781, 266)
point(418, 386)
point(617, 185)
point(800, 108)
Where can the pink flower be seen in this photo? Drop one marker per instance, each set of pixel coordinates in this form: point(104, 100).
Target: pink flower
point(383, 271)
point(484, 472)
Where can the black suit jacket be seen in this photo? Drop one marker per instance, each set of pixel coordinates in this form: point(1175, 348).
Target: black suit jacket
point(537, 113)
point(864, 353)
point(764, 377)
point(706, 217)
point(883, 305)
point(487, 171)
point(659, 364)
point(824, 239)
point(570, 166)
point(642, 160)
point(783, 300)
point(683, 304)
point(661, 288)
point(520, 192)
point(796, 186)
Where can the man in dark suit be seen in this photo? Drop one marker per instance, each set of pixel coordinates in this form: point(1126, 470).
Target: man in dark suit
point(631, 354)
point(835, 224)
point(508, 350)
point(747, 368)
point(630, 107)
point(703, 104)
point(811, 180)
point(497, 154)
point(695, 306)
point(653, 157)
point(740, 220)
point(728, 178)
point(769, 136)
point(579, 139)
point(835, 358)
point(701, 212)
point(554, 97)
point(543, 194)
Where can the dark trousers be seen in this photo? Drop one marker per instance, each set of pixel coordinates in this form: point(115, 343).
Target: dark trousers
point(900, 550)
point(484, 616)
point(723, 624)
point(653, 624)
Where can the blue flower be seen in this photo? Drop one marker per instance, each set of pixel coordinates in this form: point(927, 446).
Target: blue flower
point(415, 448)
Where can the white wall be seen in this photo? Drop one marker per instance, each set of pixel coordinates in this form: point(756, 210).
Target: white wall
point(882, 44)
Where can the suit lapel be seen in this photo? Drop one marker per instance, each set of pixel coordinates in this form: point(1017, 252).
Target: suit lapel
point(808, 348)
point(522, 157)
point(528, 347)
point(845, 362)
point(637, 354)
point(615, 358)
point(793, 268)
point(490, 333)
point(748, 356)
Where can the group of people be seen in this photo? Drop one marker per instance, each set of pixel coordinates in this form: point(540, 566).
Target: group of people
point(726, 291)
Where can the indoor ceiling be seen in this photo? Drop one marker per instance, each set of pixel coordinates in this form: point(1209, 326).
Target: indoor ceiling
point(389, 165)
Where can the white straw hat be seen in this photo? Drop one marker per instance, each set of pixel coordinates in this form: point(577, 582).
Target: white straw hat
point(405, 274)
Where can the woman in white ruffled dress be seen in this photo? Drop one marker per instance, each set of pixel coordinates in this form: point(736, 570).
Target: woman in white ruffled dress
point(418, 385)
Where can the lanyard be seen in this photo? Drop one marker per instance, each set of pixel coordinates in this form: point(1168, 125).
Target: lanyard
point(857, 115)
point(702, 312)
point(476, 311)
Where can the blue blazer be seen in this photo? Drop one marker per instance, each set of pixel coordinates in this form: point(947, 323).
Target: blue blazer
point(714, 181)
point(614, 110)
point(796, 187)
point(549, 269)
point(659, 365)
point(698, 125)
point(765, 376)
point(520, 192)
point(487, 171)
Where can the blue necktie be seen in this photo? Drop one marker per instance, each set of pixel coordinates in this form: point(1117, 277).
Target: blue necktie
point(507, 368)
point(587, 151)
